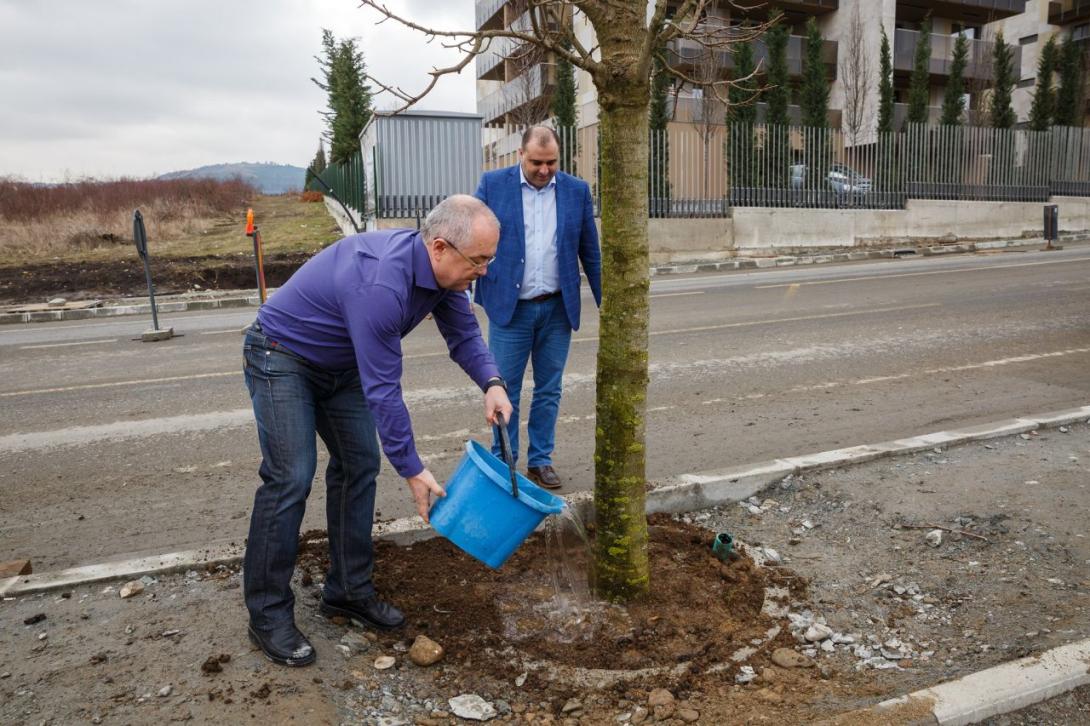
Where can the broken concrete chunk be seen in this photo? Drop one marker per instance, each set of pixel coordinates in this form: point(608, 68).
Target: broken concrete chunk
point(130, 589)
point(472, 706)
point(933, 538)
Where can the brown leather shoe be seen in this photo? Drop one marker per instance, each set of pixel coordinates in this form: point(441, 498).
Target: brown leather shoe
point(544, 476)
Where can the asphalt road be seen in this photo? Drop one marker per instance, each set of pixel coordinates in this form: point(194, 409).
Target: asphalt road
point(110, 447)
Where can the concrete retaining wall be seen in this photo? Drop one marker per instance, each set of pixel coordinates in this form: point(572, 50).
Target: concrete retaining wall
point(766, 230)
point(775, 229)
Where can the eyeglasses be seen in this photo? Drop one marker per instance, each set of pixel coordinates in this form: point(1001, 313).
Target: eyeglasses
point(479, 266)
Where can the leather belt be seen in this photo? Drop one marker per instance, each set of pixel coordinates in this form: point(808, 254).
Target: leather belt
point(546, 296)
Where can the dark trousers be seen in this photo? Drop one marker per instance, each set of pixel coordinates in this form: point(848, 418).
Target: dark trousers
point(294, 400)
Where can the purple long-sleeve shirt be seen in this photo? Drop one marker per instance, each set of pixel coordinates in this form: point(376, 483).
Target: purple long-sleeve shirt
point(353, 302)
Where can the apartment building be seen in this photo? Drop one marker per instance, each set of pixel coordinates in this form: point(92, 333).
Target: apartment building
point(513, 89)
point(1031, 29)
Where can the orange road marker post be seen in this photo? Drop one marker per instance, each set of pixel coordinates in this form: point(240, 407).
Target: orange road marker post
point(259, 260)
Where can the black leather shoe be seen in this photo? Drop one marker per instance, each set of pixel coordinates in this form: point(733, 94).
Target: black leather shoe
point(544, 476)
point(284, 645)
point(370, 612)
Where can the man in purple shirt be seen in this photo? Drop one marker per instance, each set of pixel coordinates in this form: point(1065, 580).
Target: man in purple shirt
point(324, 357)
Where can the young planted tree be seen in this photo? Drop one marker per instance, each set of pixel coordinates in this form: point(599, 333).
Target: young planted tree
point(855, 73)
point(886, 177)
point(658, 182)
point(885, 86)
point(778, 95)
point(564, 114)
point(1067, 98)
point(919, 84)
point(1002, 112)
point(741, 118)
point(628, 34)
point(1043, 108)
point(318, 163)
point(814, 92)
point(348, 105)
point(953, 97)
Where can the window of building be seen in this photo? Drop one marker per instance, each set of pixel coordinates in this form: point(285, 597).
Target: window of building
point(1028, 40)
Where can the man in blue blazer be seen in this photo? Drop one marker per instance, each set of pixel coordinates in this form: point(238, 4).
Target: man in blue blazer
point(531, 291)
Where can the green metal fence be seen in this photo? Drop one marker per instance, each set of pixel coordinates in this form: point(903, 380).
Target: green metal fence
point(346, 179)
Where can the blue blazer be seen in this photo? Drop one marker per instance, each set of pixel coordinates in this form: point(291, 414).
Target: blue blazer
point(576, 242)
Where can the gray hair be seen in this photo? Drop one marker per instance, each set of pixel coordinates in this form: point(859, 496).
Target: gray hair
point(452, 219)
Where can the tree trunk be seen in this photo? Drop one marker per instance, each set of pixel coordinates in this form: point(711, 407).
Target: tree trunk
point(621, 564)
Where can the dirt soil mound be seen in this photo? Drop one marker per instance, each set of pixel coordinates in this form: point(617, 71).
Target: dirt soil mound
point(94, 279)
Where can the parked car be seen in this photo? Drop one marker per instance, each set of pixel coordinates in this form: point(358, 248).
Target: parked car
point(841, 179)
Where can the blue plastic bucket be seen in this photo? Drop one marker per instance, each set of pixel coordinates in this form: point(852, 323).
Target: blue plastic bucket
point(480, 516)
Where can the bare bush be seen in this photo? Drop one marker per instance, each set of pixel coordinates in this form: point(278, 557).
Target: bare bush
point(38, 221)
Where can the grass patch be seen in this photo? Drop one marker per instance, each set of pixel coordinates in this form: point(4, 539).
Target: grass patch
point(92, 221)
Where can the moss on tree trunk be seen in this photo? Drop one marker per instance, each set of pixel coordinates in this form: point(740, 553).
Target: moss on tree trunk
point(621, 564)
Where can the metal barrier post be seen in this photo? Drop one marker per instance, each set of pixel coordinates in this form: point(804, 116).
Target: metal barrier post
point(140, 238)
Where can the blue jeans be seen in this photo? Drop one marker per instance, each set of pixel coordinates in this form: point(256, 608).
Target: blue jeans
point(292, 401)
point(538, 331)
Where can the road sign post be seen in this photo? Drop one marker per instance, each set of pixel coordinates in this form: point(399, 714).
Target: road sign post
point(140, 238)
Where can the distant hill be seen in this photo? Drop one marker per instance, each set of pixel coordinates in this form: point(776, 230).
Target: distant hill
point(267, 177)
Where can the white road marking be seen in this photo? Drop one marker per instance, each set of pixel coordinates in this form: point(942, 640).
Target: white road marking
point(676, 294)
point(243, 417)
point(66, 345)
point(114, 384)
point(236, 331)
point(903, 376)
point(929, 272)
point(773, 321)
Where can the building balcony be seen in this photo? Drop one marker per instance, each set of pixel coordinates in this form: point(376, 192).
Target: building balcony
point(1068, 11)
point(688, 54)
point(490, 62)
point(971, 117)
point(489, 14)
point(978, 68)
point(967, 12)
point(528, 87)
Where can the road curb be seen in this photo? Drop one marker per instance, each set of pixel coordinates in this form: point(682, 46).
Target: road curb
point(1004, 688)
point(736, 263)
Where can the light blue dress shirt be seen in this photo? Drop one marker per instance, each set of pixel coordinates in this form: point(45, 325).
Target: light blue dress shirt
point(540, 275)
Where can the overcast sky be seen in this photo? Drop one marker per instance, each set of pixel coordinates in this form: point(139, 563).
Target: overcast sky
point(111, 88)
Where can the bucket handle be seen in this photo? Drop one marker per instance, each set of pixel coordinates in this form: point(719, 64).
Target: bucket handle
point(508, 455)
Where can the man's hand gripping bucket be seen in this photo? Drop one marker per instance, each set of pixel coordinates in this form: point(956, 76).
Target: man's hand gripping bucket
point(490, 508)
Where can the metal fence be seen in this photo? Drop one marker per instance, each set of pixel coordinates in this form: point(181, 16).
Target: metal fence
point(697, 170)
point(806, 167)
point(346, 179)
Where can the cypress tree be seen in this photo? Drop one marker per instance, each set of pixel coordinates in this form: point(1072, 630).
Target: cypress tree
point(658, 181)
point(953, 97)
point(1067, 99)
point(885, 86)
point(563, 110)
point(1002, 112)
point(318, 163)
point(742, 115)
point(349, 98)
point(814, 91)
point(777, 94)
point(919, 83)
point(743, 92)
point(1043, 108)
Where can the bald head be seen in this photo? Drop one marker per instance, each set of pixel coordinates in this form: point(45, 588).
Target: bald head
point(453, 219)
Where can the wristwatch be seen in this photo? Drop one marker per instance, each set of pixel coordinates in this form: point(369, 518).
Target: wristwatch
point(495, 381)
